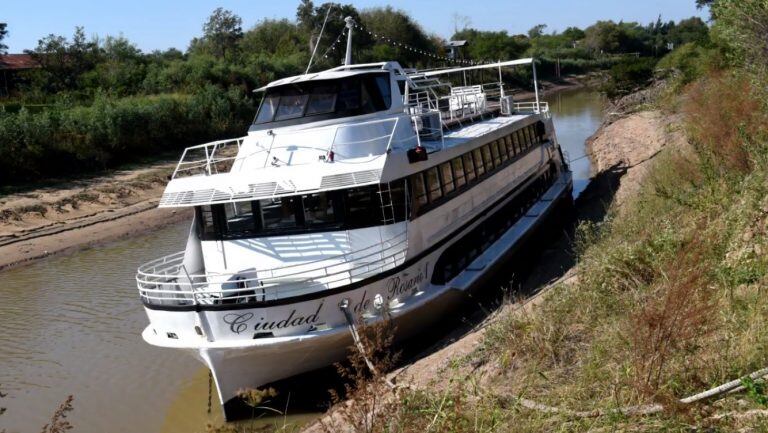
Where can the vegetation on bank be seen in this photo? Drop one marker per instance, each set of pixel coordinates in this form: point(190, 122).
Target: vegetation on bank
point(95, 103)
point(668, 297)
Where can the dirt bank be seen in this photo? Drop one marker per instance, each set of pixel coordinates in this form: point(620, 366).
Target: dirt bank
point(622, 150)
point(47, 220)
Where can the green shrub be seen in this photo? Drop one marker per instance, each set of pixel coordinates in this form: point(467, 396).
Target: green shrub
point(628, 75)
point(64, 140)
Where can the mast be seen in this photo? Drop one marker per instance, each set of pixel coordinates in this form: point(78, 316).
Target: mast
point(350, 24)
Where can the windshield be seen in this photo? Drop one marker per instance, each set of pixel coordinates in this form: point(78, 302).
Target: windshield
point(350, 96)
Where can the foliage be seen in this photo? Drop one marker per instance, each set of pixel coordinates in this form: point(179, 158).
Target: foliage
point(3, 34)
point(221, 34)
point(66, 140)
point(629, 75)
point(689, 62)
point(741, 26)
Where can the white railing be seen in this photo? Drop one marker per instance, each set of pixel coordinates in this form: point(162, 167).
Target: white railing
point(166, 281)
point(209, 158)
point(532, 107)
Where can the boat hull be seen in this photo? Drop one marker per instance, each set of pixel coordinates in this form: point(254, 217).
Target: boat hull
point(413, 302)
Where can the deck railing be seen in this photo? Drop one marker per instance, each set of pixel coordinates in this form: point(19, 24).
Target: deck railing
point(209, 158)
point(166, 281)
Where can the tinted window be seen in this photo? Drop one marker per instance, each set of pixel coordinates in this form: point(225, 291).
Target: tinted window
point(291, 106)
point(503, 150)
point(518, 144)
point(433, 184)
point(321, 208)
point(495, 153)
point(385, 90)
point(205, 221)
point(487, 158)
point(399, 206)
point(458, 172)
point(362, 207)
point(239, 217)
point(469, 167)
point(268, 108)
point(446, 175)
point(477, 156)
point(322, 100)
point(510, 146)
point(418, 191)
point(278, 213)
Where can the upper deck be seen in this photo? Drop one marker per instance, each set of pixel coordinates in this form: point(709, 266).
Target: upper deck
point(339, 129)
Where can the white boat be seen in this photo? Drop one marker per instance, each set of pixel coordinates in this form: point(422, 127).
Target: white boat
point(358, 190)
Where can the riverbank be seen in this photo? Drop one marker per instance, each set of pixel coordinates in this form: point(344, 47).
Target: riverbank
point(77, 213)
point(62, 217)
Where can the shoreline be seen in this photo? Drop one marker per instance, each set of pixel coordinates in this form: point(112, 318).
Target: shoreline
point(48, 221)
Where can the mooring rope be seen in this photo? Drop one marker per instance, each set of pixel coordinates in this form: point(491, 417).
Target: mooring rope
point(210, 389)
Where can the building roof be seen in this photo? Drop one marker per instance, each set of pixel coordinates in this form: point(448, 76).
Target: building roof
point(17, 62)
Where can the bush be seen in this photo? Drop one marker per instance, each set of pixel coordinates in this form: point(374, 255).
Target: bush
point(690, 62)
point(64, 140)
point(628, 75)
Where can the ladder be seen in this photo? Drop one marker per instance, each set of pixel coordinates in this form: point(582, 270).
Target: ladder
point(387, 207)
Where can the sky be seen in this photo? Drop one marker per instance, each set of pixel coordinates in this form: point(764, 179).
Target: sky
point(162, 24)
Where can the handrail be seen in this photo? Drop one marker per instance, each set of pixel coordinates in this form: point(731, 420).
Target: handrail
point(160, 280)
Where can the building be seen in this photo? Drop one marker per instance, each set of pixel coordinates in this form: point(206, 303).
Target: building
point(10, 66)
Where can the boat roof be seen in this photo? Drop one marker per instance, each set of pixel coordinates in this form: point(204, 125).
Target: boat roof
point(337, 72)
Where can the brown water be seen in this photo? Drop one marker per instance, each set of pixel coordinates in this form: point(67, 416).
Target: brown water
point(72, 324)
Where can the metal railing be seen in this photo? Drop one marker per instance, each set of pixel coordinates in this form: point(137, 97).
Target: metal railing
point(209, 158)
point(532, 107)
point(166, 281)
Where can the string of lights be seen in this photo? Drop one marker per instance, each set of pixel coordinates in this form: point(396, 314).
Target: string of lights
point(332, 47)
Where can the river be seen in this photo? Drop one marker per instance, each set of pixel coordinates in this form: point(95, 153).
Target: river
point(72, 325)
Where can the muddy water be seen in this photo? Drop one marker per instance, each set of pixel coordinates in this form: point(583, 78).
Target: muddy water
point(71, 325)
point(577, 113)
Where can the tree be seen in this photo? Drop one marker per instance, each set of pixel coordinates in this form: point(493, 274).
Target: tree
point(689, 30)
point(310, 20)
point(63, 62)
point(484, 45)
point(397, 26)
point(221, 34)
point(536, 31)
point(3, 34)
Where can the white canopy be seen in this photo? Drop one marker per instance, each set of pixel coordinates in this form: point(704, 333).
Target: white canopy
point(527, 61)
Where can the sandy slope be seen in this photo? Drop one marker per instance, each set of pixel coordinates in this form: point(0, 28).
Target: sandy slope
point(73, 214)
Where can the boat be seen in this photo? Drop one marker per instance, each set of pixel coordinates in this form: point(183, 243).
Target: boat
point(359, 192)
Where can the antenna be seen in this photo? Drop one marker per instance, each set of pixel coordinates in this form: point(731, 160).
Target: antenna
point(350, 24)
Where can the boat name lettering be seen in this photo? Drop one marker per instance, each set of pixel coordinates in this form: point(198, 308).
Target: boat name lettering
point(237, 322)
point(397, 286)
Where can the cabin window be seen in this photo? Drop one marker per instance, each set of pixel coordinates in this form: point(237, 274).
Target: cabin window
point(495, 153)
point(487, 157)
point(322, 208)
point(510, 146)
point(433, 184)
point(477, 156)
point(503, 150)
point(239, 217)
point(322, 100)
point(469, 167)
point(522, 139)
point(419, 191)
point(351, 96)
point(363, 207)
point(205, 221)
point(458, 172)
point(399, 199)
point(446, 175)
point(278, 213)
point(528, 135)
point(268, 108)
point(516, 142)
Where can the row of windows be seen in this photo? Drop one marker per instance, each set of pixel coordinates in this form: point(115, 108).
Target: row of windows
point(459, 255)
point(365, 206)
point(330, 210)
point(435, 184)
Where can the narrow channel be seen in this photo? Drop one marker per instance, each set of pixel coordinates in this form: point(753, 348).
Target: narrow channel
point(72, 325)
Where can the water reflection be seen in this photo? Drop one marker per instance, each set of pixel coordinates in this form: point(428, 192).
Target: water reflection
point(577, 113)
